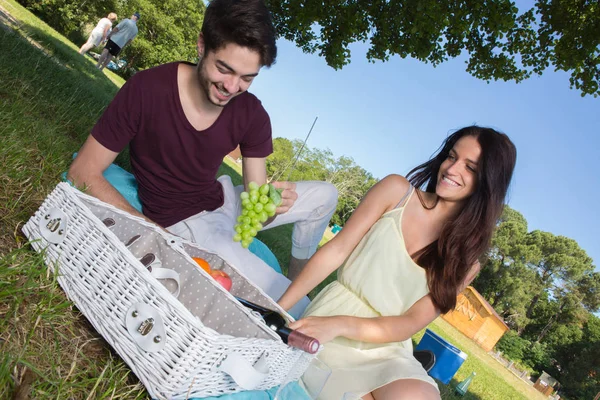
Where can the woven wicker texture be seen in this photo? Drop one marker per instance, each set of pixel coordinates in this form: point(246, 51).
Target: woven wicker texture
point(104, 278)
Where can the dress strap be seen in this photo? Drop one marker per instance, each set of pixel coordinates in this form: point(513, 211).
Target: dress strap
point(405, 197)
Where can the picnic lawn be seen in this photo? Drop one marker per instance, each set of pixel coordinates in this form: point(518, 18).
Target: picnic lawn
point(50, 97)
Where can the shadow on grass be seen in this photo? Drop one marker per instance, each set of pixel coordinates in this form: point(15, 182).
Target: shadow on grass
point(448, 392)
point(64, 55)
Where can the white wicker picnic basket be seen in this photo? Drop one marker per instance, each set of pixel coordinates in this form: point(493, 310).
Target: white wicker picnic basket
point(181, 333)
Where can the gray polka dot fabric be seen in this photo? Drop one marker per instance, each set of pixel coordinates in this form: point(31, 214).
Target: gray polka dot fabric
point(199, 292)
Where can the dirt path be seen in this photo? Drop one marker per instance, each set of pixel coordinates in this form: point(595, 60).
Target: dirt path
point(7, 21)
point(11, 24)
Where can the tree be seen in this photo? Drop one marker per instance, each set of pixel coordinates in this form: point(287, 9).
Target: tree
point(505, 279)
point(579, 369)
point(560, 263)
point(69, 16)
point(168, 29)
point(351, 181)
point(500, 42)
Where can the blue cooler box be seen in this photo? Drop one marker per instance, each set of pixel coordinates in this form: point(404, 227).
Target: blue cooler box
point(448, 358)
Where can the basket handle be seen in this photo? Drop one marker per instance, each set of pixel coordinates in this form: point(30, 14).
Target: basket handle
point(158, 272)
point(246, 375)
point(165, 273)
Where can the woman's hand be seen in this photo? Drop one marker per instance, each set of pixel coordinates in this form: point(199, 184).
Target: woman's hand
point(288, 195)
point(324, 329)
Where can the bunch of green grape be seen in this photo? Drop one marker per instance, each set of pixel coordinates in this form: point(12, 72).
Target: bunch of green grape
point(258, 204)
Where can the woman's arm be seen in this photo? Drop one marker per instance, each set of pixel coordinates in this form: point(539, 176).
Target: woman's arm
point(378, 329)
point(371, 330)
point(382, 197)
point(105, 32)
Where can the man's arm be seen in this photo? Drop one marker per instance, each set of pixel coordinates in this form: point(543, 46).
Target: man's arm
point(115, 30)
point(86, 173)
point(254, 170)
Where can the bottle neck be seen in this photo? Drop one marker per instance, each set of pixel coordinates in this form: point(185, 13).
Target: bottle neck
point(255, 307)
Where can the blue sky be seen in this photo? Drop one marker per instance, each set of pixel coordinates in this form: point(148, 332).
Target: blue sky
point(392, 116)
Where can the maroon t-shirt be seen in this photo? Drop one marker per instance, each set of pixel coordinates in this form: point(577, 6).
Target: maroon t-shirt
point(176, 165)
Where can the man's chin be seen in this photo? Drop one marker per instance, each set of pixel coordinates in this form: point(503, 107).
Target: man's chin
point(218, 102)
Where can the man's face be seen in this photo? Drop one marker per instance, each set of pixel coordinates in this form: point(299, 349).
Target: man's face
point(226, 72)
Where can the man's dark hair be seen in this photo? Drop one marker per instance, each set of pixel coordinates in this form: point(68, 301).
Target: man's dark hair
point(246, 23)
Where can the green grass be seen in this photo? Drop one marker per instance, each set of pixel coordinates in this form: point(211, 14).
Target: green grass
point(50, 97)
point(492, 380)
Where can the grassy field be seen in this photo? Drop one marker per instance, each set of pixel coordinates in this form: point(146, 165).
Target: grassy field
point(50, 98)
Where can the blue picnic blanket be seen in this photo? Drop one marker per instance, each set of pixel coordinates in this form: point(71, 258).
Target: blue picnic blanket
point(293, 391)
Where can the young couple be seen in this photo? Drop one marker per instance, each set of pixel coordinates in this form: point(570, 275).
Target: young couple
point(410, 247)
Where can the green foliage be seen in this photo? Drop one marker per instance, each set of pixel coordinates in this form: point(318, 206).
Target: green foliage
point(512, 346)
point(545, 287)
point(351, 181)
point(579, 372)
point(68, 16)
point(533, 356)
point(168, 29)
point(505, 279)
point(501, 42)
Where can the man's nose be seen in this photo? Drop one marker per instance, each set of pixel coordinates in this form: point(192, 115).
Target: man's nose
point(232, 85)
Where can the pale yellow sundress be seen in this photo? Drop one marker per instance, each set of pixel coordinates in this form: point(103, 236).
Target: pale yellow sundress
point(378, 279)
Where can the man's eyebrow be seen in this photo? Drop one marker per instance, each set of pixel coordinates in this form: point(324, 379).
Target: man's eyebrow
point(230, 69)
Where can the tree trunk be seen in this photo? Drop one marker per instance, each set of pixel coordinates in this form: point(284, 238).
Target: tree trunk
point(550, 323)
point(534, 301)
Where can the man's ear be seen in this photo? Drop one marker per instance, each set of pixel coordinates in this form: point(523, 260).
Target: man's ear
point(200, 45)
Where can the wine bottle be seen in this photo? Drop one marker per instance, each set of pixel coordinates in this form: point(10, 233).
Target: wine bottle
point(277, 323)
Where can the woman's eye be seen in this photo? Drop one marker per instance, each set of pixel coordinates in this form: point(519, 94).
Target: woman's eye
point(451, 157)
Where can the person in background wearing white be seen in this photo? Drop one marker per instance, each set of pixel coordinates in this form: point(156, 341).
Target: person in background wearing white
point(99, 33)
point(120, 37)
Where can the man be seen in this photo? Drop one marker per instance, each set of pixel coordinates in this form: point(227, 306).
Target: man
point(180, 120)
point(120, 37)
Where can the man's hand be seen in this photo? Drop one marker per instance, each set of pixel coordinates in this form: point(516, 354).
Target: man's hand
point(288, 196)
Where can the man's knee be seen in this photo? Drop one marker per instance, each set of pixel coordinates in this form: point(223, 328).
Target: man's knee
point(326, 194)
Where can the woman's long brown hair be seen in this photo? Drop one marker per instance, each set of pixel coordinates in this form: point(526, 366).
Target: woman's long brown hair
point(466, 237)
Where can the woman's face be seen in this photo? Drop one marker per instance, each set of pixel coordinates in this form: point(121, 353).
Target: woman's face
point(457, 177)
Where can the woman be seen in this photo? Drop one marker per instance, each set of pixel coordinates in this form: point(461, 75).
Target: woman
point(99, 33)
point(406, 254)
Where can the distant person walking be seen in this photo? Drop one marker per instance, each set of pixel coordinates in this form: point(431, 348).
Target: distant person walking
point(120, 37)
point(99, 33)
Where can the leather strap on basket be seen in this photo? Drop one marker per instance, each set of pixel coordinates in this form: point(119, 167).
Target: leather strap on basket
point(246, 375)
point(159, 273)
point(165, 273)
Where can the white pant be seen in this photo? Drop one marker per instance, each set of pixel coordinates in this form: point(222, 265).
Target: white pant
point(213, 230)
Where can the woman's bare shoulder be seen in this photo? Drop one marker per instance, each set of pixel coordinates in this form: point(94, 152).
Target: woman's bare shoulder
point(396, 182)
point(392, 189)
